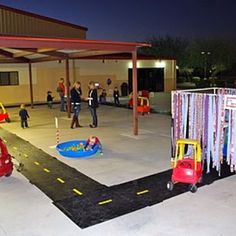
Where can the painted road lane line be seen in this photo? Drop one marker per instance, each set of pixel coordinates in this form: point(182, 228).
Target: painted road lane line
point(60, 180)
point(142, 192)
point(36, 163)
point(77, 191)
point(105, 202)
point(46, 170)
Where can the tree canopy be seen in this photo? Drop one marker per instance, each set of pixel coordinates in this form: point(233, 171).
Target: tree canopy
point(217, 54)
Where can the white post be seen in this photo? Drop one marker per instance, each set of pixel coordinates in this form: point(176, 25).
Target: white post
point(57, 130)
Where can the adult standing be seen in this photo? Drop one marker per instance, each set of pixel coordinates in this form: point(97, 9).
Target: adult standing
point(75, 96)
point(116, 96)
point(93, 104)
point(61, 91)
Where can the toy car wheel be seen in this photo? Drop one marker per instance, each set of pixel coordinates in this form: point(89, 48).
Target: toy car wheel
point(8, 120)
point(20, 167)
point(193, 188)
point(170, 185)
point(200, 180)
point(8, 174)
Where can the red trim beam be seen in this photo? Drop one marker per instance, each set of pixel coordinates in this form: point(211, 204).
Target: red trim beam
point(59, 43)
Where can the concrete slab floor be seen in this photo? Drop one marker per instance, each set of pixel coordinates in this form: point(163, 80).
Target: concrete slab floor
point(208, 212)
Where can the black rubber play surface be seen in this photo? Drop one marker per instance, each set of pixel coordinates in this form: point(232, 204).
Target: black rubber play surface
point(85, 201)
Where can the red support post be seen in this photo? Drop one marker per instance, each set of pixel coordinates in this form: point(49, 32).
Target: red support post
point(68, 88)
point(135, 93)
point(31, 86)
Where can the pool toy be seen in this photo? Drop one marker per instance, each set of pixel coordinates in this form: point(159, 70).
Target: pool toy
point(3, 114)
point(80, 148)
point(187, 167)
point(6, 165)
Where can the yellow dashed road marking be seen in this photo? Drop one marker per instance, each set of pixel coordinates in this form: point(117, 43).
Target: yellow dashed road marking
point(143, 192)
point(46, 170)
point(15, 148)
point(77, 191)
point(105, 202)
point(36, 163)
point(25, 155)
point(60, 180)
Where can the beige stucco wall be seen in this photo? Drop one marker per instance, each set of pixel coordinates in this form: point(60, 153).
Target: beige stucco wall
point(170, 76)
point(15, 23)
point(47, 74)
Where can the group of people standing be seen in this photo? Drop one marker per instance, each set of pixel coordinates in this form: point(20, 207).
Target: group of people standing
point(76, 99)
point(116, 96)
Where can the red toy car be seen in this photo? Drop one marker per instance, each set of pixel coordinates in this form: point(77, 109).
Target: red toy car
point(143, 103)
point(3, 114)
point(187, 167)
point(6, 165)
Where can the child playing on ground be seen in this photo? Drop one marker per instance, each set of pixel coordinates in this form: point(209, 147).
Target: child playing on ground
point(102, 97)
point(23, 113)
point(91, 143)
point(49, 99)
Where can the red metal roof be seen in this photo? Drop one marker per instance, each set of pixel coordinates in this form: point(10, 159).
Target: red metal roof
point(56, 48)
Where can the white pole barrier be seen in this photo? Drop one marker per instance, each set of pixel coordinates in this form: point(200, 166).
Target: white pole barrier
point(57, 130)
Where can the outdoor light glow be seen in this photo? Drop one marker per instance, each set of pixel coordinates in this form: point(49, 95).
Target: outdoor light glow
point(177, 67)
point(130, 64)
point(160, 64)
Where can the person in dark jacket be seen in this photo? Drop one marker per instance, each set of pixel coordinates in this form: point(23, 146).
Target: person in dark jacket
point(23, 113)
point(75, 96)
point(49, 99)
point(93, 104)
point(116, 96)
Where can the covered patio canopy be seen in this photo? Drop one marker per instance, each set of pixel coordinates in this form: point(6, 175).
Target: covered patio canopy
point(19, 49)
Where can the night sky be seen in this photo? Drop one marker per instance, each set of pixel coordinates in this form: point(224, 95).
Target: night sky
point(137, 20)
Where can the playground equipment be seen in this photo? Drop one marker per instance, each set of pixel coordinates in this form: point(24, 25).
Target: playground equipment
point(6, 165)
point(143, 102)
point(187, 166)
point(3, 114)
point(80, 148)
point(143, 105)
point(209, 116)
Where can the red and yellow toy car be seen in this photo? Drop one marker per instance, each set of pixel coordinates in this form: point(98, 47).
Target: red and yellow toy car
point(6, 165)
point(187, 164)
point(143, 103)
point(3, 114)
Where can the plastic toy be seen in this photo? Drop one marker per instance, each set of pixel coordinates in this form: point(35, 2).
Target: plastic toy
point(143, 105)
point(3, 114)
point(80, 148)
point(6, 165)
point(187, 167)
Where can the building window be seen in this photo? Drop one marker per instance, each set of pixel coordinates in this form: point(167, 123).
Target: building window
point(9, 78)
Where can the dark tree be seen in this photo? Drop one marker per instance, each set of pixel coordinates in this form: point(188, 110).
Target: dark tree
point(167, 47)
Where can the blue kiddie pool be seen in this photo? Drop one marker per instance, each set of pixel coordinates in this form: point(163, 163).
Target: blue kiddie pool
point(74, 149)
